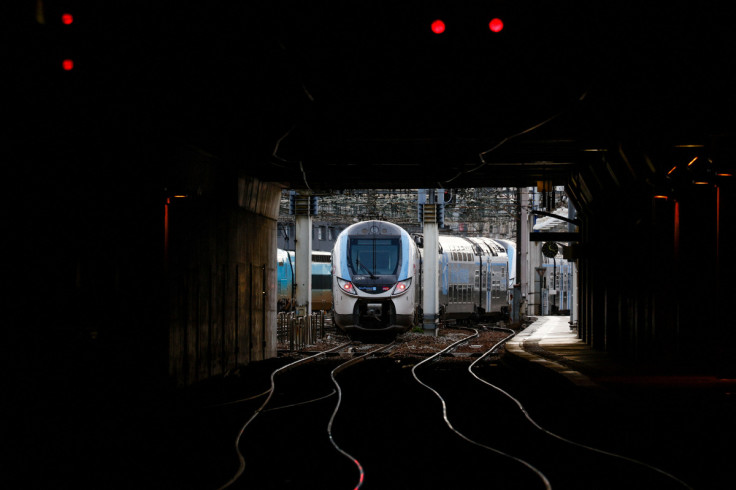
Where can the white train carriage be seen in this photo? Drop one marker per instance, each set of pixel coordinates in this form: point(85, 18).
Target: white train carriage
point(375, 268)
point(473, 277)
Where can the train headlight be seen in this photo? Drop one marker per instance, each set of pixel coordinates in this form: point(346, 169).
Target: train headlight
point(347, 287)
point(401, 287)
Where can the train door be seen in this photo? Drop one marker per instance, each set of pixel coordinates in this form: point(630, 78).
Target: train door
point(477, 289)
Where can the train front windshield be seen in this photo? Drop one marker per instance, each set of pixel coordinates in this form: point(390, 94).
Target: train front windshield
point(374, 257)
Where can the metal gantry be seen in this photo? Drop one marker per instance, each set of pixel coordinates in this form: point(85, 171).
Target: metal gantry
point(470, 211)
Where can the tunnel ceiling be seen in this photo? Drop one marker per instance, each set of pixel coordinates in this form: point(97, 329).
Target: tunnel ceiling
point(360, 94)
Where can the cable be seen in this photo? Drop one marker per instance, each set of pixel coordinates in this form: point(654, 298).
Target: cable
point(513, 136)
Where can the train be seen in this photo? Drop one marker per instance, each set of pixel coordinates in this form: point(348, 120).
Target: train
point(376, 283)
point(377, 278)
point(473, 278)
point(372, 280)
point(321, 281)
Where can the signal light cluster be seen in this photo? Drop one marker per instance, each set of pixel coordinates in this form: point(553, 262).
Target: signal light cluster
point(439, 26)
point(67, 64)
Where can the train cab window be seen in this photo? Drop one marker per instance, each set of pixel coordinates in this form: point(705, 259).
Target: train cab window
point(374, 256)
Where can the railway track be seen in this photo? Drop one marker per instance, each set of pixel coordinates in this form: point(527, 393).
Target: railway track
point(359, 416)
point(284, 443)
point(558, 461)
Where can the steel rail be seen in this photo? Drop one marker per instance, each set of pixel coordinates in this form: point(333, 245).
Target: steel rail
point(241, 459)
point(552, 434)
point(336, 370)
point(528, 465)
point(298, 404)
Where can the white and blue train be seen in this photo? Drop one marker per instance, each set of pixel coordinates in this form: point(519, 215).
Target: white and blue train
point(377, 278)
point(321, 281)
point(375, 272)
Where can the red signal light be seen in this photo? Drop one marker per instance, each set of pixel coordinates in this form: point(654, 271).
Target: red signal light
point(438, 27)
point(495, 25)
point(67, 19)
point(67, 64)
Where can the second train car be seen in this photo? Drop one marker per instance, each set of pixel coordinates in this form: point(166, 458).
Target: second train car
point(473, 278)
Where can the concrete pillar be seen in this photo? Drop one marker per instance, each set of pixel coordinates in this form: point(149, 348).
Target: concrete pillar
point(516, 303)
point(524, 271)
point(430, 290)
point(574, 314)
point(429, 216)
point(303, 264)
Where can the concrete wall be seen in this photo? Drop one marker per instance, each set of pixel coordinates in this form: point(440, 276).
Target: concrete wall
point(98, 301)
point(221, 270)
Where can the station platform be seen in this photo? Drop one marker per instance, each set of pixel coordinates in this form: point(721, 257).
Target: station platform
point(676, 415)
point(551, 342)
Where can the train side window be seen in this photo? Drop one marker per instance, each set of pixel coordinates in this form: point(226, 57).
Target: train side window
point(477, 279)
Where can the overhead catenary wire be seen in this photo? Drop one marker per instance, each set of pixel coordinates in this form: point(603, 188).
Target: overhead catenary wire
point(505, 140)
